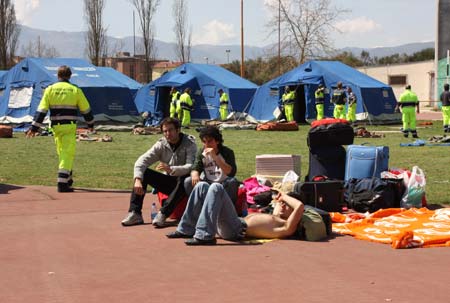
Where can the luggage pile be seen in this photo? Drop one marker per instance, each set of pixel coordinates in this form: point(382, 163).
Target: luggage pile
point(339, 178)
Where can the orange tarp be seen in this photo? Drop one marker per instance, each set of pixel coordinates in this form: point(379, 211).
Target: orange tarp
point(399, 227)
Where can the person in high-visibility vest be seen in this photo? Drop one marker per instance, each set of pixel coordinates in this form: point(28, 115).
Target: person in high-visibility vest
point(63, 99)
point(175, 96)
point(187, 105)
point(445, 99)
point(407, 102)
point(339, 99)
point(351, 111)
point(288, 99)
point(223, 109)
point(319, 95)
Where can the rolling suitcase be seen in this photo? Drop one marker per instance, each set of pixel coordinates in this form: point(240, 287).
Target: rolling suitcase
point(326, 161)
point(330, 132)
point(366, 161)
point(326, 195)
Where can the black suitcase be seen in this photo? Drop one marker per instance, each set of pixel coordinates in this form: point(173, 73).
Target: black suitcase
point(326, 161)
point(331, 134)
point(326, 195)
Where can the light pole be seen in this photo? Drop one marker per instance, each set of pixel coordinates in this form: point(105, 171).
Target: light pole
point(228, 55)
point(206, 59)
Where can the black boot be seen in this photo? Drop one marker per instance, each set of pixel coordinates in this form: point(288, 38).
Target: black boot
point(70, 182)
point(64, 188)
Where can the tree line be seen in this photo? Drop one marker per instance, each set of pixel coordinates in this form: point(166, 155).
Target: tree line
point(261, 70)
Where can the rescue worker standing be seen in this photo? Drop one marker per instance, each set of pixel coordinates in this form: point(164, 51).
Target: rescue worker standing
point(445, 99)
point(223, 109)
point(319, 95)
point(288, 103)
point(408, 100)
point(175, 96)
point(63, 99)
point(351, 111)
point(339, 99)
point(187, 105)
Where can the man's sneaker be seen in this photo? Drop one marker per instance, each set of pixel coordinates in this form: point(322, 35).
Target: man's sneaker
point(133, 218)
point(159, 220)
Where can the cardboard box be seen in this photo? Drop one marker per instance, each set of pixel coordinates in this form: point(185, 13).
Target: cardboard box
point(277, 164)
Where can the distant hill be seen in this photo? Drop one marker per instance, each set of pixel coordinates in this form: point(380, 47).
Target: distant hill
point(379, 52)
point(72, 45)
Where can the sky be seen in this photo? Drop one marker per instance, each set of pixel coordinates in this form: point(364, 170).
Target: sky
point(367, 24)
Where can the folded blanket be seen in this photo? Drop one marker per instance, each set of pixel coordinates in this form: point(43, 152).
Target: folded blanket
point(399, 227)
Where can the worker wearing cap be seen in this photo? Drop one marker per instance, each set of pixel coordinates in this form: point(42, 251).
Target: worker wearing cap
point(445, 99)
point(223, 109)
point(187, 105)
point(339, 99)
point(175, 96)
point(408, 102)
point(288, 99)
point(63, 99)
point(319, 95)
point(351, 111)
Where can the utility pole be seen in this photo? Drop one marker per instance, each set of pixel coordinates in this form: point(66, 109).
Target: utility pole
point(242, 38)
point(279, 37)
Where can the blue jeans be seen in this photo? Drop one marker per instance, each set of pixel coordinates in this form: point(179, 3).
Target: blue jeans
point(209, 212)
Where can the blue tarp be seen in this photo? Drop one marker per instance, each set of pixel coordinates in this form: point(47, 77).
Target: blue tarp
point(110, 93)
point(376, 100)
point(204, 80)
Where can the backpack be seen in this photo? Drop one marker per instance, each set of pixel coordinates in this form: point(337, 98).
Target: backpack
point(372, 194)
point(312, 226)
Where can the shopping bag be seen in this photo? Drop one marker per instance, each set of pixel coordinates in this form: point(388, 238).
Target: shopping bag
point(415, 188)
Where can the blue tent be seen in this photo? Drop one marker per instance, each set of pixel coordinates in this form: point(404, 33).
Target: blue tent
point(110, 93)
point(376, 100)
point(204, 80)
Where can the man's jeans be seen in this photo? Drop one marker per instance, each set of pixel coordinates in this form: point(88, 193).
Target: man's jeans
point(169, 185)
point(210, 211)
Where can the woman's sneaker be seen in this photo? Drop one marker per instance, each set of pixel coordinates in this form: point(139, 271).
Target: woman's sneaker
point(133, 218)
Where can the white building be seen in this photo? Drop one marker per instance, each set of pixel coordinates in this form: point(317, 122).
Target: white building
point(420, 75)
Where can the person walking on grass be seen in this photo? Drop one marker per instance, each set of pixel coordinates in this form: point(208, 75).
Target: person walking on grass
point(63, 99)
point(409, 105)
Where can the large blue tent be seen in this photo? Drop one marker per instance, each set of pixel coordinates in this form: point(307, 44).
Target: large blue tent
point(110, 93)
point(376, 100)
point(204, 80)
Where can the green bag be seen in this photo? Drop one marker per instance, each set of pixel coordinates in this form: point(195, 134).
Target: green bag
point(311, 226)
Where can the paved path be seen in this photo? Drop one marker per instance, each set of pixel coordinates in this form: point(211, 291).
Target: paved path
point(71, 248)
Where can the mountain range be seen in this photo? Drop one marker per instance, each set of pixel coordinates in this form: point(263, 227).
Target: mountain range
point(72, 45)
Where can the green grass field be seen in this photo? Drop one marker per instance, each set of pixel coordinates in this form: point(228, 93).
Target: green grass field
point(110, 165)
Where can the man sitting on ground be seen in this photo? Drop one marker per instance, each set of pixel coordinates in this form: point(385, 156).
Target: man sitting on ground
point(210, 211)
point(176, 154)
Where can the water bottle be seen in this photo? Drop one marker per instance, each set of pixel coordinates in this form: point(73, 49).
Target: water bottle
point(153, 211)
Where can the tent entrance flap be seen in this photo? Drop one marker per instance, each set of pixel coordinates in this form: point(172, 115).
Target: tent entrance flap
point(164, 99)
point(300, 104)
